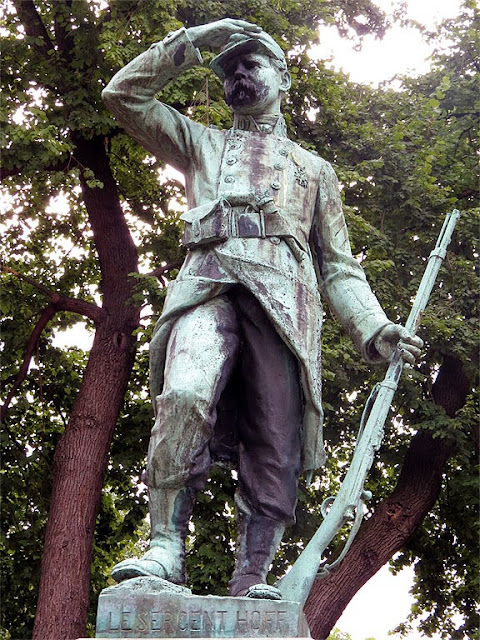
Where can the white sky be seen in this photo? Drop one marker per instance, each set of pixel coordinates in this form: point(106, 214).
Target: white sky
point(401, 51)
point(384, 601)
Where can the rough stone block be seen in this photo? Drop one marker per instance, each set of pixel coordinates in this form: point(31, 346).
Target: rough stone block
point(152, 608)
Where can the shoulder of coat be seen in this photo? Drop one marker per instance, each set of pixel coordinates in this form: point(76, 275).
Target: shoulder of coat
point(307, 154)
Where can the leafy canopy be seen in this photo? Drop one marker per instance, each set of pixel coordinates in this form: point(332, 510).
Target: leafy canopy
point(404, 157)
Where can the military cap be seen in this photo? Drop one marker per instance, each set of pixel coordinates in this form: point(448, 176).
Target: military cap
point(241, 43)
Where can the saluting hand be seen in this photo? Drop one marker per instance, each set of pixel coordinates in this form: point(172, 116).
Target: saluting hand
point(217, 34)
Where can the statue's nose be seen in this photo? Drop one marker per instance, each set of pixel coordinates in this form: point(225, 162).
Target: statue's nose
point(240, 71)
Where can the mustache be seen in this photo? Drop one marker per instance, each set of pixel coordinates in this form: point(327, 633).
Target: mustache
point(240, 90)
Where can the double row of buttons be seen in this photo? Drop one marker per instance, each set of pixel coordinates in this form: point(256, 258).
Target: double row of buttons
point(230, 179)
point(235, 144)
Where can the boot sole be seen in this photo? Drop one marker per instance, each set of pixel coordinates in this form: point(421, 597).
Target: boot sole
point(138, 568)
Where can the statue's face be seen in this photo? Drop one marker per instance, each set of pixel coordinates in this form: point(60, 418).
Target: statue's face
point(252, 84)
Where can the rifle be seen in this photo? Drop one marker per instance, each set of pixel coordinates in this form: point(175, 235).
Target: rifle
point(349, 504)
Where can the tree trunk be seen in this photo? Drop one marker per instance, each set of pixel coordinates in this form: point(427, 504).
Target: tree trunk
point(397, 517)
point(82, 453)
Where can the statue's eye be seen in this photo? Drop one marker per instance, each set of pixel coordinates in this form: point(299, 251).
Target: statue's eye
point(229, 69)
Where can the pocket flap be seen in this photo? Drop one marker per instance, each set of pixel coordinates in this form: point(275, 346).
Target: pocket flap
point(201, 212)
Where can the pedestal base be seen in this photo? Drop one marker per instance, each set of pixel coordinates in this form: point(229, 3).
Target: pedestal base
point(153, 608)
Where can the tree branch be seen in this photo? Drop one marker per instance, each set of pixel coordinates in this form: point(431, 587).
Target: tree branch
point(82, 307)
point(62, 36)
point(57, 303)
point(34, 283)
point(468, 193)
point(455, 114)
point(63, 165)
point(158, 273)
point(45, 318)
point(63, 303)
point(33, 24)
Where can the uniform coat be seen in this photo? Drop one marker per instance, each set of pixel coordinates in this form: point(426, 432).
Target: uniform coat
point(239, 163)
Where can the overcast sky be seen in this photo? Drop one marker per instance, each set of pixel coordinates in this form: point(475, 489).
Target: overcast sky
point(401, 51)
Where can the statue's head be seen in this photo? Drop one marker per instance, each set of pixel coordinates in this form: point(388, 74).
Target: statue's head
point(254, 73)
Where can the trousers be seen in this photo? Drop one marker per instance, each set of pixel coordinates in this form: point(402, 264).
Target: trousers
point(230, 338)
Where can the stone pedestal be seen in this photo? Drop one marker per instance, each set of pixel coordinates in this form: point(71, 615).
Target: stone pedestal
point(153, 608)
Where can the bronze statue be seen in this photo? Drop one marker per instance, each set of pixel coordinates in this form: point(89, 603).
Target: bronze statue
point(235, 359)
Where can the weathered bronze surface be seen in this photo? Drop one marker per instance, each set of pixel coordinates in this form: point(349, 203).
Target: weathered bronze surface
point(235, 363)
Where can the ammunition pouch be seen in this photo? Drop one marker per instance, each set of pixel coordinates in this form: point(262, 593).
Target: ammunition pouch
point(207, 223)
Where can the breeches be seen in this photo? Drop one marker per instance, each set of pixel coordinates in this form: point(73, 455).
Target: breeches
point(230, 334)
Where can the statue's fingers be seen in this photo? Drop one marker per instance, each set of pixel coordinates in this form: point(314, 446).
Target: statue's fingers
point(409, 351)
point(243, 24)
point(406, 337)
point(417, 342)
point(410, 347)
point(407, 356)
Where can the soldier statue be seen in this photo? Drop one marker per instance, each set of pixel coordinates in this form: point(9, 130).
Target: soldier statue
point(235, 359)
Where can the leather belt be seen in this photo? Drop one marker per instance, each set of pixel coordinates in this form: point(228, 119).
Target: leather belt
point(246, 222)
point(221, 219)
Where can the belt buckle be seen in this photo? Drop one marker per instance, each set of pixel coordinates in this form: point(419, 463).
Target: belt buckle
point(261, 218)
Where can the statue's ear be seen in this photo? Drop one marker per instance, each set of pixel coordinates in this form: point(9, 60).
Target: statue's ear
point(286, 81)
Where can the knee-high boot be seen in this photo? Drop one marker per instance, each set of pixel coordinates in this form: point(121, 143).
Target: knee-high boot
point(170, 512)
point(257, 542)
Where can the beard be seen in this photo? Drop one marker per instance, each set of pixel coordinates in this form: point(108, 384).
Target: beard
point(241, 93)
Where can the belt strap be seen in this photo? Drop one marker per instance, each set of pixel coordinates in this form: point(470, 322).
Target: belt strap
point(246, 222)
point(238, 217)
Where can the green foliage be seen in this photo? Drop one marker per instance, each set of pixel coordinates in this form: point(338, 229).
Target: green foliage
point(341, 635)
point(404, 157)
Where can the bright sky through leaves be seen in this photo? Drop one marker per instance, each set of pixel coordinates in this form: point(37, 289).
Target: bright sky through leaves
point(402, 51)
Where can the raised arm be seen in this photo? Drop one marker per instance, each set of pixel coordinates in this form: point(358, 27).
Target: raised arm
point(217, 34)
point(130, 94)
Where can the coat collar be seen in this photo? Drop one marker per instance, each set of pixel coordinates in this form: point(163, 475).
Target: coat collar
point(264, 124)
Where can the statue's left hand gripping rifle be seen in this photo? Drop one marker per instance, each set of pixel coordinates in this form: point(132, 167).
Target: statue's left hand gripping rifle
point(350, 502)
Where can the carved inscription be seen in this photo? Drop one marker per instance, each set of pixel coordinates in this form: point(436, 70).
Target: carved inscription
point(261, 621)
point(196, 622)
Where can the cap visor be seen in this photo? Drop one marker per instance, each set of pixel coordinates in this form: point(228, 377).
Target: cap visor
point(251, 45)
